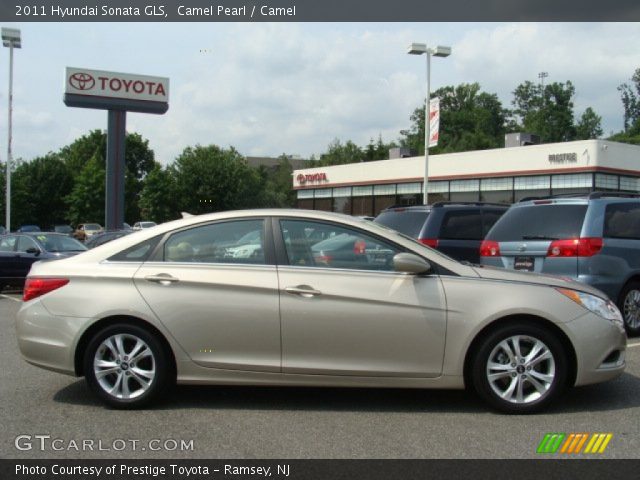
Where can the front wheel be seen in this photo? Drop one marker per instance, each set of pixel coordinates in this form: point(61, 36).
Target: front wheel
point(520, 368)
point(629, 305)
point(126, 366)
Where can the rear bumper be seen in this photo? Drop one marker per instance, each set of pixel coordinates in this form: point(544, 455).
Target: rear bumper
point(46, 340)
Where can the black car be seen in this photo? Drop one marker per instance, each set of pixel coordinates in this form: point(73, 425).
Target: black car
point(20, 250)
point(102, 238)
point(454, 228)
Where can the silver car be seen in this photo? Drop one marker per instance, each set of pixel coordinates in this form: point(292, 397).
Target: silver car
point(176, 304)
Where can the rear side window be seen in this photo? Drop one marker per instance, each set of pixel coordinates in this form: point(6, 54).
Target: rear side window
point(539, 222)
point(489, 218)
point(137, 253)
point(409, 222)
point(622, 220)
point(462, 225)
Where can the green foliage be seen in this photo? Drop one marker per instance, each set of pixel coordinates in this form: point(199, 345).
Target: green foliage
point(469, 120)
point(157, 199)
point(211, 179)
point(589, 127)
point(545, 110)
point(86, 200)
point(339, 154)
point(38, 191)
point(630, 102)
point(276, 191)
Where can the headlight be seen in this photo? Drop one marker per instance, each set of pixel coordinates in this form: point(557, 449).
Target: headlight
point(601, 307)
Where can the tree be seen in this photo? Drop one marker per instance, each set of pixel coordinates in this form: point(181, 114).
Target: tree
point(139, 160)
point(339, 154)
point(545, 110)
point(86, 200)
point(38, 191)
point(629, 95)
point(378, 150)
point(276, 185)
point(157, 200)
point(210, 179)
point(589, 127)
point(469, 120)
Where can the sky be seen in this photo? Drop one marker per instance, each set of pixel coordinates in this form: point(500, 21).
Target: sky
point(268, 89)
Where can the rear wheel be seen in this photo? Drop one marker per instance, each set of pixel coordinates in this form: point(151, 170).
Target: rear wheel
point(520, 368)
point(629, 305)
point(126, 366)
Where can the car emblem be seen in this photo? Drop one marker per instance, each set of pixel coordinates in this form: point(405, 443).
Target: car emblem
point(82, 81)
point(523, 247)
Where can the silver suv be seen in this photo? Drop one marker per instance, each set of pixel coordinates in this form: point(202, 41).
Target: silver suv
point(594, 239)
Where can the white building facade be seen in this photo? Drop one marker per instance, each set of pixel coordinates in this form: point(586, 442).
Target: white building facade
point(504, 175)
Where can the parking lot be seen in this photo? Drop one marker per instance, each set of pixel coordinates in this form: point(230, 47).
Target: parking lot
point(246, 422)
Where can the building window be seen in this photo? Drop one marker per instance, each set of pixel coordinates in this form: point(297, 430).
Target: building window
point(630, 184)
point(538, 182)
point(410, 199)
point(305, 204)
point(409, 188)
point(384, 189)
point(362, 191)
point(342, 205)
point(498, 196)
point(493, 184)
point(324, 204)
point(520, 194)
point(464, 186)
point(438, 187)
point(342, 192)
point(606, 182)
point(579, 180)
point(305, 194)
point(322, 193)
point(462, 197)
point(383, 201)
point(362, 206)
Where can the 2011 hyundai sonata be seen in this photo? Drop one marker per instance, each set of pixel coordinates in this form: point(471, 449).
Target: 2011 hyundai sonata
point(265, 297)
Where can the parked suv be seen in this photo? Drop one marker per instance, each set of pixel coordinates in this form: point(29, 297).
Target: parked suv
point(593, 238)
point(454, 228)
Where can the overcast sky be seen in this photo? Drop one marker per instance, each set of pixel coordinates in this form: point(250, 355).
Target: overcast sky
point(294, 87)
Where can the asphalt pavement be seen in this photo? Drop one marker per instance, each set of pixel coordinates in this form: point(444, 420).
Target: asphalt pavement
point(48, 415)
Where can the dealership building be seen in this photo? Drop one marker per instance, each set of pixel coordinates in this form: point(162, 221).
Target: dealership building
point(503, 175)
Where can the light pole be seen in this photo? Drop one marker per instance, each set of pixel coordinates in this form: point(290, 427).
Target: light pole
point(11, 39)
point(439, 51)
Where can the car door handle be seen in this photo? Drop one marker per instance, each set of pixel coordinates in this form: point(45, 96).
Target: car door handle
point(303, 290)
point(163, 278)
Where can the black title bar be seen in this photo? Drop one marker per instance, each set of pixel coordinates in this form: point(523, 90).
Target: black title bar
point(317, 10)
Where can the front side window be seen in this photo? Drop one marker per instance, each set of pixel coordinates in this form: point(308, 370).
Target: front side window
point(224, 242)
point(327, 245)
point(25, 243)
point(622, 220)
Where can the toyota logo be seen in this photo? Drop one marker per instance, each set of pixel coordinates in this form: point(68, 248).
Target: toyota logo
point(301, 178)
point(82, 81)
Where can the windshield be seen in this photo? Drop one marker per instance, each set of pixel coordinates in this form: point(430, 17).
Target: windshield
point(409, 222)
point(60, 243)
point(539, 222)
point(92, 226)
point(147, 224)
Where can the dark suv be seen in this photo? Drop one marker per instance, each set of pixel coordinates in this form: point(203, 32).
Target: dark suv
point(592, 238)
point(456, 229)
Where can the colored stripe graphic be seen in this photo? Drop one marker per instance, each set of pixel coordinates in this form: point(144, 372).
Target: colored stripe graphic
point(573, 443)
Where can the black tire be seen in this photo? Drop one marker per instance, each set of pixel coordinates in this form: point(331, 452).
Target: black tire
point(630, 312)
point(158, 362)
point(532, 400)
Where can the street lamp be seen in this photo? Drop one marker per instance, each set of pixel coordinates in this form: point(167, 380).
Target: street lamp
point(11, 39)
point(439, 51)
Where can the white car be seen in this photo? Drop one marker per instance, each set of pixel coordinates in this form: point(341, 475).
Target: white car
point(143, 225)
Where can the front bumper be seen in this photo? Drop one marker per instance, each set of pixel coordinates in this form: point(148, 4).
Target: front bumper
point(600, 348)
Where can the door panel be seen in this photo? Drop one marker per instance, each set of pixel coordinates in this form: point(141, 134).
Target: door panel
point(216, 296)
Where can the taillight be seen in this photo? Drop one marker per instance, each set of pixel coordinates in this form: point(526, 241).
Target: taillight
point(429, 242)
point(489, 248)
point(323, 259)
point(575, 247)
point(35, 287)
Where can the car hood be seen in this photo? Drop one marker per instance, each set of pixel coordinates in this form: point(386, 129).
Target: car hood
point(496, 273)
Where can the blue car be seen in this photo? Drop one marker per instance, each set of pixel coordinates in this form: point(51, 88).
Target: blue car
point(19, 251)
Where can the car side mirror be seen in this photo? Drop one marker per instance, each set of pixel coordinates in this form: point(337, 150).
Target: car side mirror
point(410, 263)
point(33, 250)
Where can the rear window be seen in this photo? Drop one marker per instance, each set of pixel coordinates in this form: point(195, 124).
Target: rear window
point(622, 220)
point(462, 225)
point(539, 222)
point(409, 222)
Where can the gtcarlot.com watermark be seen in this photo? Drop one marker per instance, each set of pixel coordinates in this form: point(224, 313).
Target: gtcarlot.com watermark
point(49, 443)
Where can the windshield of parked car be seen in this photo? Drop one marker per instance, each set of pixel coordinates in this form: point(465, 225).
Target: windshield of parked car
point(147, 224)
point(539, 222)
point(409, 222)
point(60, 243)
point(92, 226)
